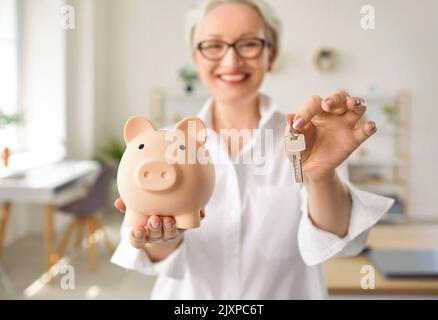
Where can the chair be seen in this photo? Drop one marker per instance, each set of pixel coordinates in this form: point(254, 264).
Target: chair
point(84, 211)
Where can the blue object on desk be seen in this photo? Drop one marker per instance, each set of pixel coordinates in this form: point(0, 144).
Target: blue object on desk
point(405, 263)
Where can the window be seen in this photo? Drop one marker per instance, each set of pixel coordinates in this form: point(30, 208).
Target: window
point(33, 81)
point(8, 69)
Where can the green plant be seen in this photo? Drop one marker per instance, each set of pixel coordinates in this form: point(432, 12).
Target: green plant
point(111, 154)
point(189, 76)
point(391, 111)
point(8, 119)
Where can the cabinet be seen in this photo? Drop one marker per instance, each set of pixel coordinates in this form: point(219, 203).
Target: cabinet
point(382, 164)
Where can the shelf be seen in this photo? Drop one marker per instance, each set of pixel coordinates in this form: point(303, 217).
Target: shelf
point(383, 188)
point(369, 162)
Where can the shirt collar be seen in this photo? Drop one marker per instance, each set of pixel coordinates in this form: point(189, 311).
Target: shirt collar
point(267, 109)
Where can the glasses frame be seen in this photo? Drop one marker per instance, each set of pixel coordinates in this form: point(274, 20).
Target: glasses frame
point(233, 45)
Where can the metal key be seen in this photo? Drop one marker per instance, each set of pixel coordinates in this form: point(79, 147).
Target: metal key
point(295, 144)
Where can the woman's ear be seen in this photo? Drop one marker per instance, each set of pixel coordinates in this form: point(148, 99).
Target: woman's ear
point(272, 58)
point(195, 57)
point(194, 54)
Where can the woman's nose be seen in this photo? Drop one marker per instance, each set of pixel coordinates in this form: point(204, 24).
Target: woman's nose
point(231, 58)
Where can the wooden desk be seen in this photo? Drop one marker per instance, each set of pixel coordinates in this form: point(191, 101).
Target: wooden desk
point(343, 274)
point(47, 185)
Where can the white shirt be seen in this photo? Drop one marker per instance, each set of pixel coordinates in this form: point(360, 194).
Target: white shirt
point(257, 240)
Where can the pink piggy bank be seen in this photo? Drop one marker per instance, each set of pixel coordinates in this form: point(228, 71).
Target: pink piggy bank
point(166, 173)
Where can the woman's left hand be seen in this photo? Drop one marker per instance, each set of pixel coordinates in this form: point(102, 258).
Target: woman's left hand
point(331, 131)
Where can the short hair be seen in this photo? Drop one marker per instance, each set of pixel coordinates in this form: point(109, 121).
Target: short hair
point(272, 23)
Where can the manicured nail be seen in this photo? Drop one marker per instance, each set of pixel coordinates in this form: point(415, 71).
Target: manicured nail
point(138, 234)
point(357, 102)
point(297, 124)
point(168, 225)
point(155, 225)
point(360, 107)
point(373, 125)
point(328, 103)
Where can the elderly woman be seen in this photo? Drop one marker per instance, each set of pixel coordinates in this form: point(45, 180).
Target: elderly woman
point(263, 236)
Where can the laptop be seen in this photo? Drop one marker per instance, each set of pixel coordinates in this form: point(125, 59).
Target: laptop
point(405, 263)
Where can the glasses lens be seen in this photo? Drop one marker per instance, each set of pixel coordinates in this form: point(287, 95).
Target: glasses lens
point(250, 48)
point(213, 49)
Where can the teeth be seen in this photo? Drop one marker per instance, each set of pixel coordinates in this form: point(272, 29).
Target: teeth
point(232, 78)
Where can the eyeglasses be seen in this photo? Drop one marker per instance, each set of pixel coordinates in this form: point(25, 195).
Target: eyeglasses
point(215, 50)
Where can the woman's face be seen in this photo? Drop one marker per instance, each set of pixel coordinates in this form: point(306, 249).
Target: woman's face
point(232, 79)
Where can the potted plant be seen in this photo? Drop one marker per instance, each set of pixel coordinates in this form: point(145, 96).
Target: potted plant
point(189, 76)
point(111, 154)
point(109, 157)
point(5, 121)
point(391, 112)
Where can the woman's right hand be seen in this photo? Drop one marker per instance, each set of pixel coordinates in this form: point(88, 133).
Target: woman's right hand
point(158, 230)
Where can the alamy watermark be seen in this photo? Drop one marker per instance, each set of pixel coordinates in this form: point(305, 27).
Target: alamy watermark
point(67, 21)
point(368, 281)
point(68, 281)
point(187, 147)
point(368, 21)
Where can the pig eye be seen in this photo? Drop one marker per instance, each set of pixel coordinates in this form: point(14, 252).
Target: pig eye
point(141, 146)
point(182, 147)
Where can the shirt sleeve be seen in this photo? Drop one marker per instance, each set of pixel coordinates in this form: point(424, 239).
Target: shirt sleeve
point(131, 258)
point(317, 246)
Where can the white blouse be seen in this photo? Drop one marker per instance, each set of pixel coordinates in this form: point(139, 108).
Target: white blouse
point(257, 240)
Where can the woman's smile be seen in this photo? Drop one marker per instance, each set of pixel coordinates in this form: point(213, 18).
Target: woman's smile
point(234, 78)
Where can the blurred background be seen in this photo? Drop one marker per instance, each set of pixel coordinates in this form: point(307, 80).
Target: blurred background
point(72, 73)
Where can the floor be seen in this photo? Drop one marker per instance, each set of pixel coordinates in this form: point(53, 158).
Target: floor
point(23, 264)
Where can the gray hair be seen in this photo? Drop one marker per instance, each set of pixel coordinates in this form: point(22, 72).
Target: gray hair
point(271, 21)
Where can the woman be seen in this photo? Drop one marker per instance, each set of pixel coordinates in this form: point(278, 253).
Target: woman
point(263, 235)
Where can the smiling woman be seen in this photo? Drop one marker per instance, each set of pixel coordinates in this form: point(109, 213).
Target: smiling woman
point(263, 236)
point(214, 39)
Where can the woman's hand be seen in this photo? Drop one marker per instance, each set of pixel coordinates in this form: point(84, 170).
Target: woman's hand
point(159, 230)
point(331, 131)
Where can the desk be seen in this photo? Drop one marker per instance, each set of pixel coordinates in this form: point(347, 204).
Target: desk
point(47, 185)
point(343, 274)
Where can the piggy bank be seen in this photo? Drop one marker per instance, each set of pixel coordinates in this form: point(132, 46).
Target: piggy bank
point(165, 173)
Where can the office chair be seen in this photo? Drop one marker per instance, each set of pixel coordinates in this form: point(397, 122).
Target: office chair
point(84, 211)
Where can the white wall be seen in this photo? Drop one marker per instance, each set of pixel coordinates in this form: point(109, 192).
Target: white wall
point(144, 48)
point(80, 78)
point(144, 45)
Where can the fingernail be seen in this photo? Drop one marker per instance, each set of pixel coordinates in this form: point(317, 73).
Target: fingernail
point(155, 225)
point(373, 125)
point(168, 225)
point(297, 124)
point(328, 103)
point(360, 107)
point(138, 234)
point(357, 102)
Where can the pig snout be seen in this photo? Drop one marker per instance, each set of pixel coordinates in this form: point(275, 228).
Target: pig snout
point(155, 176)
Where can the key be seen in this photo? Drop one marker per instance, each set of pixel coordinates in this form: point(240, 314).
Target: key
point(295, 144)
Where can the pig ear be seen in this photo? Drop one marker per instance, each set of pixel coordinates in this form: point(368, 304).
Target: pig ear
point(195, 127)
point(136, 125)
